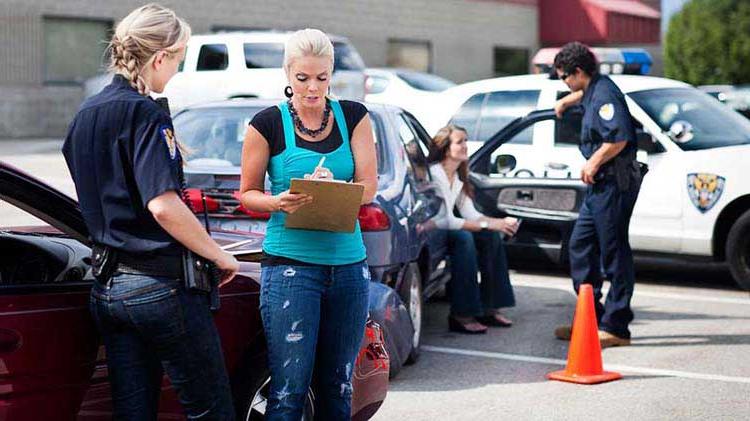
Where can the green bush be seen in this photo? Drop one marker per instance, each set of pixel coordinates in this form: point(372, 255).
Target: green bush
point(708, 42)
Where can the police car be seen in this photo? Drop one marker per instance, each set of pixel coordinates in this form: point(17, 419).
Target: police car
point(694, 202)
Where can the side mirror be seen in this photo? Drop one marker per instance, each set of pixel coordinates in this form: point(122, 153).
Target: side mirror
point(681, 131)
point(504, 164)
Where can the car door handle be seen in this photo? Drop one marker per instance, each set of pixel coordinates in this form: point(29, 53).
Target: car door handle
point(526, 195)
point(559, 166)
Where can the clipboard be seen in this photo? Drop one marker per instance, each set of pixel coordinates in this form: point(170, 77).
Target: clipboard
point(335, 205)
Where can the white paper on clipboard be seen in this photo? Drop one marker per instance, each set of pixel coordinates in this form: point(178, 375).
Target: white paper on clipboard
point(242, 247)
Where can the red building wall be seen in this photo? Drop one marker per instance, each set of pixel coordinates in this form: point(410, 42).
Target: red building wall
point(597, 22)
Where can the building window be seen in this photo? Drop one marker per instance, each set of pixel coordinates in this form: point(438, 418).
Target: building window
point(213, 57)
point(415, 55)
point(74, 49)
point(511, 61)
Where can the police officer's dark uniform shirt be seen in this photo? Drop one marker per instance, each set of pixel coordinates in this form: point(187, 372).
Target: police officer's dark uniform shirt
point(121, 153)
point(606, 118)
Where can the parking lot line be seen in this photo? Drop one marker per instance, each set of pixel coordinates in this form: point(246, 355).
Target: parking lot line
point(650, 294)
point(612, 367)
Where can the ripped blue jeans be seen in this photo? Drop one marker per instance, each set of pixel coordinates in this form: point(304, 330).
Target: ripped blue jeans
point(314, 320)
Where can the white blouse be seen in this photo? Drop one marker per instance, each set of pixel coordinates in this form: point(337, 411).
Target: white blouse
point(453, 195)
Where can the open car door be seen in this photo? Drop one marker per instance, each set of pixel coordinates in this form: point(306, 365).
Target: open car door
point(546, 203)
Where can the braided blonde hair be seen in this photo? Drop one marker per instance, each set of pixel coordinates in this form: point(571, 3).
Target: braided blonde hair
point(139, 36)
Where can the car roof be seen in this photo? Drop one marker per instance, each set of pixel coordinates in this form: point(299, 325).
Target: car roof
point(263, 103)
point(626, 83)
point(255, 36)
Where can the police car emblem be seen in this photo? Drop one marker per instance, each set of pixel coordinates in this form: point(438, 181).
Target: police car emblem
point(607, 111)
point(704, 190)
point(168, 136)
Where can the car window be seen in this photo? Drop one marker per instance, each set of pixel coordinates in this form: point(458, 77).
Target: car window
point(419, 169)
point(468, 115)
point(264, 55)
point(568, 129)
point(706, 123)
point(523, 134)
point(345, 57)
point(213, 57)
point(377, 84)
point(501, 108)
point(214, 136)
point(425, 81)
point(424, 139)
point(380, 145)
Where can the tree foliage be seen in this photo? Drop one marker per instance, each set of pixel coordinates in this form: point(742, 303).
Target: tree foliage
point(708, 42)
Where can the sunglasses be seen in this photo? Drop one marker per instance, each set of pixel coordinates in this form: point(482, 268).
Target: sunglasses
point(565, 76)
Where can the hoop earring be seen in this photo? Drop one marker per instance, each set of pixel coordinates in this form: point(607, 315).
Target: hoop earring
point(288, 92)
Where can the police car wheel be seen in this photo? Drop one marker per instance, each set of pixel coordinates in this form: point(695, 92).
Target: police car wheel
point(738, 251)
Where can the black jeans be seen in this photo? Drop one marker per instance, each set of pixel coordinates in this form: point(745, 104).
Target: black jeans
point(151, 325)
point(484, 251)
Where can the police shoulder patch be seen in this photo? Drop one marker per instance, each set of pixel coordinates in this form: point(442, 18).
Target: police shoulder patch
point(168, 137)
point(607, 111)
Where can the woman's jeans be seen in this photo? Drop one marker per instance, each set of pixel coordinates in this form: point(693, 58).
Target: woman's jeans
point(151, 325)
point(314, 320)
point(483, 250)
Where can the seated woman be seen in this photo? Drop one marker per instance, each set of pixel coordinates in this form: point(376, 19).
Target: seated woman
point(473, 240)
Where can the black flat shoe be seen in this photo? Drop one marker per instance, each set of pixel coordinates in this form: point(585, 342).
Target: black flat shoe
point(456, 326)
point(492, 321)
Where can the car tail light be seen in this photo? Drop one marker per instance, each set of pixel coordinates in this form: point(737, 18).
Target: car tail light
point(194, 196)
point(252, 214)
point(373, 218)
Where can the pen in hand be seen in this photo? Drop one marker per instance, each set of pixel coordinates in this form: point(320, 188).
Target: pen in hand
point(321, 172)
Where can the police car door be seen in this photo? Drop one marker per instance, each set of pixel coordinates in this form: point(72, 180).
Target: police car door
point(485, 114)
point(548, 206)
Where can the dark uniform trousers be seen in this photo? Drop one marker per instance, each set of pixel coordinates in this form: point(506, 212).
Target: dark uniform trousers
point(599, 243)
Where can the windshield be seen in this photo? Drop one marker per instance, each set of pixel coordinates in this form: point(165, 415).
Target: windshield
point(714, 124)
point(346, 58)
point(425, 81)
point(214, 135)
point(271, 55)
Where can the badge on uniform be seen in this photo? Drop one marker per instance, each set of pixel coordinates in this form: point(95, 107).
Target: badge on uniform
point(607, 111)
point(704, 190)
point(168, 136)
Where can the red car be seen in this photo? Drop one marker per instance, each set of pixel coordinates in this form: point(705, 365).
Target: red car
point(52, 366)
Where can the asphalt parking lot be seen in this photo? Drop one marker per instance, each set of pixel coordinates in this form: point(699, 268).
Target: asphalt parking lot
point(690, 357)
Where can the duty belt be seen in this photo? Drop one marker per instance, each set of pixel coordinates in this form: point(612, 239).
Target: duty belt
point(164, 266)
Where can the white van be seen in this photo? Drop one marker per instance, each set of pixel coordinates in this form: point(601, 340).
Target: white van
point(694, 202)
point(249, 65)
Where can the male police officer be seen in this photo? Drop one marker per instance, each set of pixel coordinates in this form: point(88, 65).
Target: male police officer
point(600, 236)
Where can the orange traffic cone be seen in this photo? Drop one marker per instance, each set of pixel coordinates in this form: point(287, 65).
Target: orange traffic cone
point(585, 353)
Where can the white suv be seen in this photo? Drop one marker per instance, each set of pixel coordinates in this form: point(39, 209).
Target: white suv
point(249, 65)
point(695, 201)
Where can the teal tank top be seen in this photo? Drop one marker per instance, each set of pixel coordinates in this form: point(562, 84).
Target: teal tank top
point(317, 247)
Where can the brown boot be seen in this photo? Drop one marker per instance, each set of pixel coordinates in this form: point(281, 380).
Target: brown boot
point(563, 332)
point(607, 340)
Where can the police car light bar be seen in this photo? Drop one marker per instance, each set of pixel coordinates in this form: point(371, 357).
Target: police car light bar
point(634, 61)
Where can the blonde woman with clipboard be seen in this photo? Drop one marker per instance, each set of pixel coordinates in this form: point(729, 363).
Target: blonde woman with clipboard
point(314, 284)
